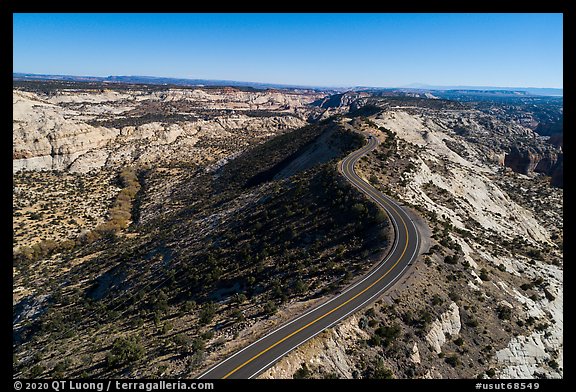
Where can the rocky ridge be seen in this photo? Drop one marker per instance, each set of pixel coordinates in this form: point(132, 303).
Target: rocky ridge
point(486, 300)
point(497, 244)
point(82, 130)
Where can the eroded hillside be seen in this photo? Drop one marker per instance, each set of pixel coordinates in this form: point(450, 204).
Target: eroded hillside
point(487, 298)
point(82, 129)
point(158, 230)
point(212, 260)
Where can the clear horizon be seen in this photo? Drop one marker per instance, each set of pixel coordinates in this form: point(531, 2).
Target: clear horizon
point(329, 50)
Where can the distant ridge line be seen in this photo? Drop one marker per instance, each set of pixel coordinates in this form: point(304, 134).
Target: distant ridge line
point(541, 91)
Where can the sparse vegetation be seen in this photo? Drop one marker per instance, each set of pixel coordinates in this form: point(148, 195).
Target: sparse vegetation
point(56, 196)
point(187, 259)
point(378, 370)
point(119, 216)
point(124, 351)
point(292, 228)
point(303, 372)
point(452, 360)
point(504, 312)
point(484, 275)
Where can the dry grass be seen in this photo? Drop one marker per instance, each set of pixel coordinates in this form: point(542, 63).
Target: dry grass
point(59, 206)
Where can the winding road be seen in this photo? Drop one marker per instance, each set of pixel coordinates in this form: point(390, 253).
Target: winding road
point(263, 353)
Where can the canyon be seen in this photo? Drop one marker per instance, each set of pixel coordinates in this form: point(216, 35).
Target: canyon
point(188, 221)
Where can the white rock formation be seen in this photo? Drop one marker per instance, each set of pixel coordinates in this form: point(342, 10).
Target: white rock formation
point(329, 352)
point(448, 323)
point(524, 356)
point(467, 179)
point(52, 133)
point(415, 354)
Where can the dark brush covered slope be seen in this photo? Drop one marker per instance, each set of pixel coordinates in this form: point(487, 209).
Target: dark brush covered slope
point(209, 257)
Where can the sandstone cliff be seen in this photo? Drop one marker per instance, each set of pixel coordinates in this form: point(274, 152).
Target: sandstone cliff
point(525, 160)
point(80, 131)
point(486, 299)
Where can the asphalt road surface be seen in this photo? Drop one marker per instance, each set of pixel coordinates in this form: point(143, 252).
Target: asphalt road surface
point(262, 354)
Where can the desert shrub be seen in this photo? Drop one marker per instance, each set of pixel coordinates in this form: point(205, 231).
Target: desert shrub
point(270, 308)
point(504, 312)
point(388, 334)
point(36, 371)
point(437, 300)
point(452, 360)
point(207, 313)
point(378, 371)
point(302, 373)
point(125, 351)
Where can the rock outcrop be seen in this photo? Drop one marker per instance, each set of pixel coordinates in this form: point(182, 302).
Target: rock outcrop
point(79, 131)
point(558, 172)
point(522, 161)
point(504, 232)
point(525, 356)
point(45, 137)
point(526, 160)
point(448, 324)
point(338, 101)
point(328, 353)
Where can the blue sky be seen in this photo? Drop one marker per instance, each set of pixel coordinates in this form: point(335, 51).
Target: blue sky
point(340, 50)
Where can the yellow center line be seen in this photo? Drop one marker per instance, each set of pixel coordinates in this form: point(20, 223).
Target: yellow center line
point(331, 311)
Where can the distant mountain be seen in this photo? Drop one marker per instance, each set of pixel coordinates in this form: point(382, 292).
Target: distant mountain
point(162, 80)
point(528, 90)
point(418, 87)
